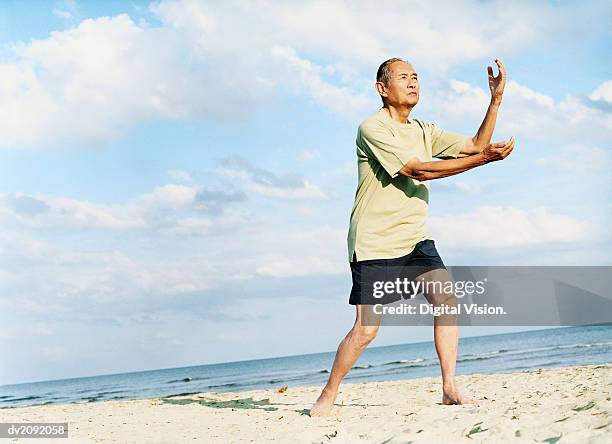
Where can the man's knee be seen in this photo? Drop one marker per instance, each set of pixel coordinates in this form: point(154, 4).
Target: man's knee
point(437, 299)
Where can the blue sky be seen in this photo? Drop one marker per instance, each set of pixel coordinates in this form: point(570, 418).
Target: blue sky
point(178, 176)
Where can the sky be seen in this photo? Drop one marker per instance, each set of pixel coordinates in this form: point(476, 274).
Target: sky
point(177, 177)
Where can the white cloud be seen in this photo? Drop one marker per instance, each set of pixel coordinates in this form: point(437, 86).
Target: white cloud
point(148, 274)
point(508, 227)
point(303, 75)
point(280, 266)
point(306, 191)
point(603, 92)
point(62, 13)
point(169, 196)
point(62, 212)
point(169, 209)
point(267, 183)
point(306, 155)
point(461, 187)
point(524, 113)
point(66, 9)
point(87, 84)
point(56, 279)
point(577, 159)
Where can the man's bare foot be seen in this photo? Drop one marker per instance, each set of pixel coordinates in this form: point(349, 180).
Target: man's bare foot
point(324, 403)
point(455, 397)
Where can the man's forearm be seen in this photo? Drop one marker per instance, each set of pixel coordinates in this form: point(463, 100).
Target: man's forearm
point(441, 168)
point(485, 132)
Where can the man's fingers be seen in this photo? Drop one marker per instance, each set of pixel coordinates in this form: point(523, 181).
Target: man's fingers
point(510, 148)
point(509, 145)
point(500, 65)
point(490, 71)
point(507, 152)
point(503, 148)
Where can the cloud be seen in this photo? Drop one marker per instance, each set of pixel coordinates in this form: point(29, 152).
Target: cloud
point(61, 13)
point(86, 279)
point(88, 84)
point(323, 255)
point(267, 183)
point(66, 9)
point(303, 75)
point(55, 280)
point(508, 227)
point(306, 155)
point(525, 113)
point(603, 92)
point(460, 187)
point(577, 159)
point(167, 209)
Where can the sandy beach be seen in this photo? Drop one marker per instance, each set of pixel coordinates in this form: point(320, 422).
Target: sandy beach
point(565, 405)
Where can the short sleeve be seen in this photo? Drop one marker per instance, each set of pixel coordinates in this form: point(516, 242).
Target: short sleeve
point(379, 143)
point(446, 144)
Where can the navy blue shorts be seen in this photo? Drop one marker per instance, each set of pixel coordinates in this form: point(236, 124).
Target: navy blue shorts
point(423, 258)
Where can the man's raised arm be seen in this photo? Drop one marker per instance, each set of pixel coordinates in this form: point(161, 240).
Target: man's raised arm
point(482, 138)
point(421, 171)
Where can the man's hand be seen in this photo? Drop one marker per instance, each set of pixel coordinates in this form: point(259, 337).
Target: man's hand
point(498, 150)
point(422, 171)
point(497, 83)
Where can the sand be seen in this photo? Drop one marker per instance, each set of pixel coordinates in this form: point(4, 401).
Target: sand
point(538, 405)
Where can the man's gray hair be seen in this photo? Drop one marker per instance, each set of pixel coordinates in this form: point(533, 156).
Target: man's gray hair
point(384, 72)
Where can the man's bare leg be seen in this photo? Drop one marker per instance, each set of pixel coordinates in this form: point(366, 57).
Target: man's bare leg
point(349, 350)
point(446, 338)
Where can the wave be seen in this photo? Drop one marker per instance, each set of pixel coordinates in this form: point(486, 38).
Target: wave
point(25, 398)
point(361, 367)
point(188, 379)
point(181, 394)
point(404, 361)
point(508, 359)
point(500, 352)
point(229, 384)
point(558, 347)
point(98, 396)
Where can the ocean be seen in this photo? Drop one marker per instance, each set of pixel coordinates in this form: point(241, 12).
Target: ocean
point(501, 353)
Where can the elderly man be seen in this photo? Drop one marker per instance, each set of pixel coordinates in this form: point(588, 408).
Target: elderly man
point(387, 225)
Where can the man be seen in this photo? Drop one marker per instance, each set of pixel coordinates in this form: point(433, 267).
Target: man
point(387, 225)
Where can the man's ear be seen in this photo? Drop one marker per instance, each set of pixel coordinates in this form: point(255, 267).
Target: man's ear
point(380, 87)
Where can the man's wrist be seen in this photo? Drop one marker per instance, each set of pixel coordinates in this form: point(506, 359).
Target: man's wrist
point(480, 158)
point(495, 101)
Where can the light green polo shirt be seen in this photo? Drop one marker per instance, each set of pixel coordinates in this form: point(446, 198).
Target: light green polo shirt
point(390, 209)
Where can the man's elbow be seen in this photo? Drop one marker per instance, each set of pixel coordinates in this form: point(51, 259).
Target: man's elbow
point(471, 148)
point(415, 173)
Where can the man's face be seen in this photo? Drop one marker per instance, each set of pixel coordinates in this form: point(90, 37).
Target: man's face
point(403, 88)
